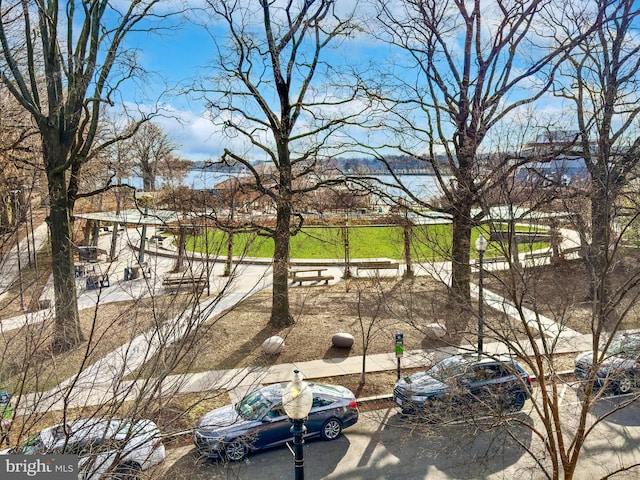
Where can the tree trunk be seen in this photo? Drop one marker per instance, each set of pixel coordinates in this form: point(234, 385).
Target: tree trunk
point(182, 248)
point(5, 225)
point(597, 262)
point(67, 323)
point(148, 177)
point(280, 312)
point(460, 253)
point(406, 231)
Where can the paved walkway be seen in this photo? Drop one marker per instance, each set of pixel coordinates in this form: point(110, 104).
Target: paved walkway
point(103, 380)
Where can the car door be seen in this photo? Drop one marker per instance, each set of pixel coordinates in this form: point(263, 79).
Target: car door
point(98, 456)
point(322, 409)
point(274, 428)
point(474, 391)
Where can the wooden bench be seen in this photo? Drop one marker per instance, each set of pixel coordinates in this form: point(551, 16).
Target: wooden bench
point(487, 260)
point(382, 265)
point(534, 255)
point(185, 281)
point(298, 275)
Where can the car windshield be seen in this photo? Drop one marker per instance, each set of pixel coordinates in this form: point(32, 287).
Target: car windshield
point(624, 346)
point(448, 369)
point(253, 406)
point(31, 446)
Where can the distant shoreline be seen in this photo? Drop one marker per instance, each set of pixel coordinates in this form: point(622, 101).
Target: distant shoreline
point(376, 173)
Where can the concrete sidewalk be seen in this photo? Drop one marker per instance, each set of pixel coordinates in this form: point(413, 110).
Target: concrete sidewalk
point(101, 381)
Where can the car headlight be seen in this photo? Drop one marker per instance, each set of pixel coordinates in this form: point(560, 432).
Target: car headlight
point(211, 439)
point(421, 398)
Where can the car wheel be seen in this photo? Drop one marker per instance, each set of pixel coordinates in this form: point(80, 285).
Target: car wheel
point(517, 401)
point(625, 385)
point(128, 471)
point(331, 429)
point(235, 451)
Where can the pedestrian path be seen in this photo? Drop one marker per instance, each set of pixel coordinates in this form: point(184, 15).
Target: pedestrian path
point(103, 380)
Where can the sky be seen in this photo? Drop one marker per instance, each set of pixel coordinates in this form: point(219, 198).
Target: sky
point(176, 58)
point(174, 61)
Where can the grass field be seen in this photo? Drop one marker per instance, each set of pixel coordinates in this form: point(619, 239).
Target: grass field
point(428, 242)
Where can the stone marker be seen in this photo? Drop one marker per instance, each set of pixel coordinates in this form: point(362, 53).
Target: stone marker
point(273, 345)
point(342, 340)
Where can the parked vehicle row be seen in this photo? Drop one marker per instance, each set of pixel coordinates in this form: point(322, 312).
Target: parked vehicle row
point(455, 386)
point(449, 387)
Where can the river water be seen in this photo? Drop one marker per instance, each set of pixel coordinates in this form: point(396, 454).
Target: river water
point(424, 187)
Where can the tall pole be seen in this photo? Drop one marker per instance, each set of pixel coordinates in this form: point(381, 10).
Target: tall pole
point(297, 399)
point(298, 430)
point(480, 304)
point(144, 233)
point(481, 247)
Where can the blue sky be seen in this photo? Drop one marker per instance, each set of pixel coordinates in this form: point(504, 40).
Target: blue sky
point(175, 58)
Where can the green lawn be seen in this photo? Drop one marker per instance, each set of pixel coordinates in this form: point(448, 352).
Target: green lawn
point(428, 242)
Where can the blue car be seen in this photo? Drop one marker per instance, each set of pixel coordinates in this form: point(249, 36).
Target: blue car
point(258, 421)
point(464, 383)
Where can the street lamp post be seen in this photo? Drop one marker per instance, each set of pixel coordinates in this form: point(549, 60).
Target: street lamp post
point(143, 237)
point(297, 399)
point(481, 247)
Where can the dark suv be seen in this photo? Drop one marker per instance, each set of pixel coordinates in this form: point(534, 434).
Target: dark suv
point(618, 366)
point(465, 383)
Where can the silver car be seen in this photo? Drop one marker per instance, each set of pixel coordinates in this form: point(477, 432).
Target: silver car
point(106, 448)
point(258, 421)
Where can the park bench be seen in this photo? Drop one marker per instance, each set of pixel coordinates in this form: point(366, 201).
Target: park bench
point(487, 260)
point(534, 255)
point(300, 275)
point(176, 282)
point(376, 266)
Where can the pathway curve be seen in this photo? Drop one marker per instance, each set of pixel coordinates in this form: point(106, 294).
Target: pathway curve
point(102, 380)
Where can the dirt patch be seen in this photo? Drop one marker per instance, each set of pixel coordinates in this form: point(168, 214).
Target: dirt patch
point(371, 311)
point(104, 329)
point(561, 291)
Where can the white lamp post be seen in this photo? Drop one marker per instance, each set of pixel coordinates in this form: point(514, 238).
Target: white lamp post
point(297, 399)
point(481, 247)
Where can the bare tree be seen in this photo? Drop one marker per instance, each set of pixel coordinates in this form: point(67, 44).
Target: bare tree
point(62, 64)
point(468, 63)
point(268, 93)
point(600, 79)
point(151, 150)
